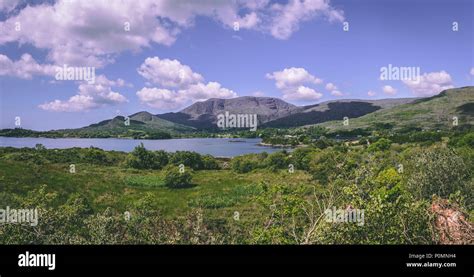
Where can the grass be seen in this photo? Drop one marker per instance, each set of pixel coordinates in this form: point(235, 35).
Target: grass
point(221, 192)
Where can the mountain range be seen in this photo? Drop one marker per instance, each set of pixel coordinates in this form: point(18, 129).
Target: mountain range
point(274, 112)
point(431, 112)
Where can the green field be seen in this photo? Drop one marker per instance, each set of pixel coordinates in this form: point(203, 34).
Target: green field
point(279, 198)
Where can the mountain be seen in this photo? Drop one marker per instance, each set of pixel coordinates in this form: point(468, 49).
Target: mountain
point(435, 112)
point(141, 125)
point(335, 110)
point(203, 114)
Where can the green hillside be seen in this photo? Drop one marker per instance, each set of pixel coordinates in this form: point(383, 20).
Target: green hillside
point(436, 112)
point(141, 125)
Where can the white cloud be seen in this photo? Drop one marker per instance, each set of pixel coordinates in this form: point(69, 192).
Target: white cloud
point(292, 77)
point(371, 93)
point(162, 99)
point(25, 68)
point(200, 91)
point(389, 90)
point(165, 99)
point(178, 85)
point(92, 33)
point(331, 86)
point(302, 93)
point(287, 17)
point(430, 83)
point(168, 73)
point(89, 96)
point(334, 90)
point(472, 71)
point(293, 81)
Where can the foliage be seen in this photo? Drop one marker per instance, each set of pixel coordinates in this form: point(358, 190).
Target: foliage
point(176, 178)
point(141, 158)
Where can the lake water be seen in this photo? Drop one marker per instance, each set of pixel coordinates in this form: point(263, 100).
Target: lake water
point(218, 147)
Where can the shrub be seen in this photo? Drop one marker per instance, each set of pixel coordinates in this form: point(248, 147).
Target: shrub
point(96, 156)
point(276, 160)
point(300, 157)
point(141, 158)
point(437, 171)
point(209, 162)
point(188, 158)
point(175, 179)
point(380, 145)
point(247, 163)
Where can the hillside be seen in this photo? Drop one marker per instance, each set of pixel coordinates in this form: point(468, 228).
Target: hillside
point(434, 112)
point(142, 125)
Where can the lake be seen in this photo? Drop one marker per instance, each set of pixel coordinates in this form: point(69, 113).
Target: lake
point(218, 147)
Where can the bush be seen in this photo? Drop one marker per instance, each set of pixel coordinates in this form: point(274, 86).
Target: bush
point(380, 145)
point(96, 156)
point(247, 163)
point(300, 157)
point(175, 179)
point(209, 162)
point(437, 171)
point(276, 160)
point(140, 158)
point(188, 158)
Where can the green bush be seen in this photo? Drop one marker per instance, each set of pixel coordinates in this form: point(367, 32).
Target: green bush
point(209, 162)
point(276, 160)
point(140, 158)
point(187, 158)
point(437, 171)
point(175, 179)
point(380, 145)
point(247, 163)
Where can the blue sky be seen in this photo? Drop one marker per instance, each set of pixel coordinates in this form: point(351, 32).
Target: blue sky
point(295, 50)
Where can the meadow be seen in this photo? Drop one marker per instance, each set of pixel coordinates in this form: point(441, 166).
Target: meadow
point(106, 197)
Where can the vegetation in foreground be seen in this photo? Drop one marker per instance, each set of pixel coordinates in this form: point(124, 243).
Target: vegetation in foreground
point(279, 198)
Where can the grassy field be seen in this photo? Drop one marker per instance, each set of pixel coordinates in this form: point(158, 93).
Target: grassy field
point(221, 192)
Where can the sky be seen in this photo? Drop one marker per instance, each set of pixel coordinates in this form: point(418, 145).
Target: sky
point(163, 55)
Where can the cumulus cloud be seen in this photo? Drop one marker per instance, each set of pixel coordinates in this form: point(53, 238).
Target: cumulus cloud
point(371, 93)
point(168, 73)
point(302, 93)
point(334, 90)
point(200, 91)
point(389, 90)
point(178, 85)
point(89, 96)
point(25, 68)
point(331, 86)
point(93, 33)
point(292, 77)
point(472, 71)
point(337, 93)
point(287, 17)
point(430, 83)
point(161, 99)
point(293, 83)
